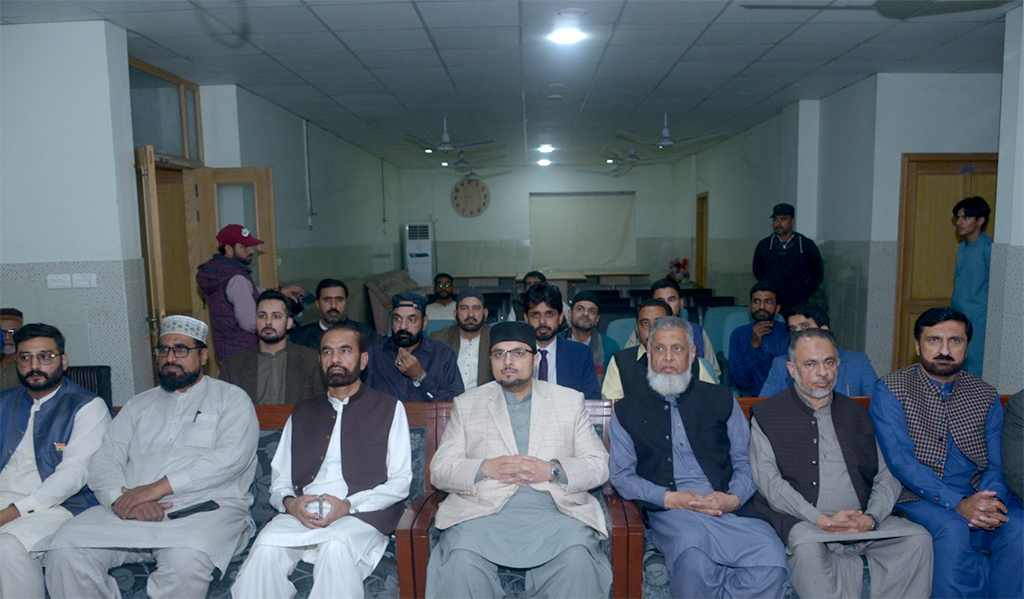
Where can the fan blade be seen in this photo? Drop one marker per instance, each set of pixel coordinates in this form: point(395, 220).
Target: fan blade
point(478, 144)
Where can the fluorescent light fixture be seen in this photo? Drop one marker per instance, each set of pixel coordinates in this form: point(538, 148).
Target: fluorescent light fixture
point(544, 162)
point(428, 151)
point(444, 164)
point(567, 35)
point(545, 149)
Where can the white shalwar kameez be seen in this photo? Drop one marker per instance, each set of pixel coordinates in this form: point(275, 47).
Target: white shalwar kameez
point(345, 552)
point(204, 441)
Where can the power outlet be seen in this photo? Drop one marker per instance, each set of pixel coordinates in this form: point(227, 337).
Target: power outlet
point(83, 279)
point(58, 281)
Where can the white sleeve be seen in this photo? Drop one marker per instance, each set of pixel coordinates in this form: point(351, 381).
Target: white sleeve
point(281, 469)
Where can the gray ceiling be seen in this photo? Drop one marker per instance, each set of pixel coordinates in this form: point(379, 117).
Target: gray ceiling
point(375, 73)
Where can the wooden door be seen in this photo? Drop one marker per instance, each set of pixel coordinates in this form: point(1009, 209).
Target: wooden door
point(700, 261)
point(931, 185)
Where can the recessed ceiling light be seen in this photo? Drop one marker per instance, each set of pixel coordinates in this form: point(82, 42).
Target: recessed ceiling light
point(428, 151)
point(444, 164)
point(610, 160)
point(545, 149)
point(566, 35)
point(572, 13)
point(544, 162)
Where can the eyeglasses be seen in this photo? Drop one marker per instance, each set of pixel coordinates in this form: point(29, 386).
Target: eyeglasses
point(9, 331)
point(45, 357)
point(443, 285)
point(180, 351)
point(499, 354)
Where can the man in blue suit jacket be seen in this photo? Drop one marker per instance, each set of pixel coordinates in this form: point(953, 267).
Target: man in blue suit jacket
point(562, 361)
point(855, 378)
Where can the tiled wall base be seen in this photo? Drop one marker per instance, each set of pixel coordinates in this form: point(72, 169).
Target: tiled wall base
point(104, 325)
point(846, 288)
point(881, 304)
point(1004, 339)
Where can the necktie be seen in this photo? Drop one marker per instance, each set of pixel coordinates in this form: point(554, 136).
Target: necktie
point(542, 370)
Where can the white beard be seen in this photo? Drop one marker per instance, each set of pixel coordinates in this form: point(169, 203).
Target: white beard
point(9, 349)
point(668, 384)
point(813, 393)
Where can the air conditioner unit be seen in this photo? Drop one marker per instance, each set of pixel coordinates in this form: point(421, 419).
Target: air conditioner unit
point(418, 252)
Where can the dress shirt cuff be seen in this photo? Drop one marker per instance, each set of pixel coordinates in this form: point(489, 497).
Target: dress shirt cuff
point(180, 481)
point(28, 504)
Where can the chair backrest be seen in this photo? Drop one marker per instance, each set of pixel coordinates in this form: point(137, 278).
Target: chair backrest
point(733, 321)
point(714, 324)
point(620, 329)
point(436, 325)
point(95, 379)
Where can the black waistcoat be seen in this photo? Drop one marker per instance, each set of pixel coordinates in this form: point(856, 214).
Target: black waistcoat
point(365, 425)
point(704, 409)
point(792, 430)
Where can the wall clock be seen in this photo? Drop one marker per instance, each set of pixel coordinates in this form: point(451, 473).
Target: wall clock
point(470, 197)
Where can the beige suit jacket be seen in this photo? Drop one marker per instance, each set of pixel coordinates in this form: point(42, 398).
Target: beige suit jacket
point(480, 429)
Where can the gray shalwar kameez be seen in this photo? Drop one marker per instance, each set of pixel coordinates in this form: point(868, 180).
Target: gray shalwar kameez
point(827, 564)
point(563, 556)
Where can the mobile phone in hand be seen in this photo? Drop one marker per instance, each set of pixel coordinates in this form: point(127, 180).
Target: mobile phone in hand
point(206, 506)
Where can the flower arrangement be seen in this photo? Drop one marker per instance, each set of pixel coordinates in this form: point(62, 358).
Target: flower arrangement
point(677, 270)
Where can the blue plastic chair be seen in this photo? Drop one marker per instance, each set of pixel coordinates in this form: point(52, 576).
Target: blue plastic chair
point(620, 329)
point(437, 325)
point(714, 324)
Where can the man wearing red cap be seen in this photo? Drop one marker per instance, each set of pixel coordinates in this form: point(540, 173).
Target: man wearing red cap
point(227, 282)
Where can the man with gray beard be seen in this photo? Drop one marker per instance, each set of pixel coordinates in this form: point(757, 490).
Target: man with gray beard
point(679, 449)
point(826, 488)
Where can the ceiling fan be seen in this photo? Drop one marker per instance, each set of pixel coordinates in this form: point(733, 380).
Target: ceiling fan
point(446, 144)
point(666, 140)
point(618, 169)
point(894, 9)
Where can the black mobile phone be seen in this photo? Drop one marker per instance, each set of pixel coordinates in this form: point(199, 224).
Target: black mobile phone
point(206, 506)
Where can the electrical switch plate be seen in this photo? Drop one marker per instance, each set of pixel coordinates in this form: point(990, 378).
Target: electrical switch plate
point(83, 279)
point(58, 281)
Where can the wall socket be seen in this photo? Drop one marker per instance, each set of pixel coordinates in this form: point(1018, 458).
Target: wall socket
point(58, 281)
point(83, 279)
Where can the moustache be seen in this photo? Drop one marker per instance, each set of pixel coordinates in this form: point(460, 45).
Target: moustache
point(333, 311)
point(944, 358)
point(36, 373)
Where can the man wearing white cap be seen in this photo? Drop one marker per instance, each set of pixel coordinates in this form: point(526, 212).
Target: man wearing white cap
point(230, 293)
point(189, 443)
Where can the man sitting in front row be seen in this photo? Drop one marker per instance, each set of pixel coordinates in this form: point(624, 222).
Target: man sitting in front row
point(679, 449)
point(855, 376)
point(836, 506)
point(939, 429)
point(186, 443)
point(518, 458)
point(340, 509)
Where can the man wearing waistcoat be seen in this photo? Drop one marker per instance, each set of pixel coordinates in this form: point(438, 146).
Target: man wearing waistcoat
point(826, 489)
point(939, 429)
point(679, 449)
point(340, 476)
point(49, 430)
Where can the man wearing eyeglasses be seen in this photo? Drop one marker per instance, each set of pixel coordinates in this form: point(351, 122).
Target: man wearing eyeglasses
point(187, 442)
point(49, 430)
point(11, 320)
point(518, 458)
point(443, 306)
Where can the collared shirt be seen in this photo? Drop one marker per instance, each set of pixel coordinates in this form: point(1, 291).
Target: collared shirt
point(835, 488)
point(955, 484)
point(611, 388)
point(20, 482)
point(552, 350)
point(330, 478)
point(971, 277)
point(442, 383)
point(270, 376)
point(855, 376)
point(469, 360)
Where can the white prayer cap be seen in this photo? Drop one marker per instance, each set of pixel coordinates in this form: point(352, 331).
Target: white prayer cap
point(184, 325)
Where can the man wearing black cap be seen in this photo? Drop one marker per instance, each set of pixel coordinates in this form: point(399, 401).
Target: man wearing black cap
point(469, 338)
point(408, 365)
point(788, 260)
point(517, 459)
point(585, 315)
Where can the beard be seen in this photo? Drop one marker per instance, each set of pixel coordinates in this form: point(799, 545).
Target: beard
point(8, 349)
point(470, 327)
point(340, 376)
point(545, 334)
point(668, 384)
point(942, 365)
point(583, 324)
point(269, 335)
point(50, 381)
point(762, 315)
point(404, 338)
point(443, 295)
point(173, 377)
point(813, 392)
point(331, 317)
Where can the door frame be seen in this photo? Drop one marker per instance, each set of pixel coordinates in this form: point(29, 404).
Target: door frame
point(700, 266)
point(905, 240)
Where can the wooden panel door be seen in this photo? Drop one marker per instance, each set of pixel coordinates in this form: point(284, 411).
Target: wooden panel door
point(931, 185)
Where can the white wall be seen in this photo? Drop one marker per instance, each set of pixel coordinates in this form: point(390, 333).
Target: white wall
point(218, 105)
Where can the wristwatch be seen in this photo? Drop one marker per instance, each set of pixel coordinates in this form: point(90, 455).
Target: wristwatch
point(556, 470)
point(419, 381)
point(874, 522)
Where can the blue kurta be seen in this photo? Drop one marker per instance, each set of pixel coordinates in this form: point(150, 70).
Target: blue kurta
point(961, 567)
point(443, 380)
point(855, 376)
point(749, 365)
point(970, 294)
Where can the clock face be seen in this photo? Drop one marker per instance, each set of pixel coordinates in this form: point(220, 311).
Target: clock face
point(470, 197)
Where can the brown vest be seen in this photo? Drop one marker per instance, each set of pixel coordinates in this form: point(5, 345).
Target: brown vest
point(792, 430)
point(364, 446)
point(929, 418)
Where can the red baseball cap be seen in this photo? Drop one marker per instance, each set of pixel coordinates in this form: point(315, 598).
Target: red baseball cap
point(232, 234)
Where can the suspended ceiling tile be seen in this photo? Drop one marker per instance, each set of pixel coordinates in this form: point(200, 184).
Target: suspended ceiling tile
point(477, 13)
point(337, 77)
point(353, 88)
point(544, 13)
point(386, 39)
point(219, 44)
point(640, 54)
point(731, 53)
point(370, 16)
point(554, 73)
point(837, 33)
point(746, 33)
point(169, 23)
point(863, 68)
point(143, 48)
point(319, 62)
point(395, 59)
point(771, 69)
point(658, 11)
point(887, 51)
point(116, 6)
point(639, 70)
point(277, 19)
point(787, 52)
point(289, 43)
point(597, 35)
point(924, 32)
point(755, 11)
point(861, 11)
point(264, 78)
point(670, 34)
point(476, 37)
point(247, 63)
point(553, 53)
point(455, 57)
